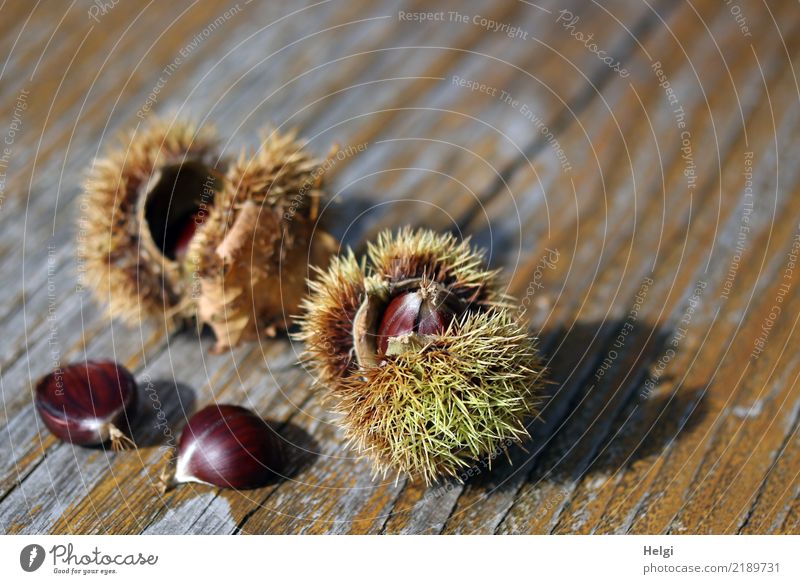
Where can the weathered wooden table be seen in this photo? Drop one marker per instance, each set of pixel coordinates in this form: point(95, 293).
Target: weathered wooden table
point(631, 165)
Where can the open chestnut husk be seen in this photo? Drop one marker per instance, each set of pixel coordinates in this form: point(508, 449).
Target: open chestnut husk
point(225, 446)
point(88, 403)
point(137, 201)
point(421, 355)
point(254, 250)
point(172, 232)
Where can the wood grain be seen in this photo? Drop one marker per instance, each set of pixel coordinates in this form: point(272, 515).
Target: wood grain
point(662, 419)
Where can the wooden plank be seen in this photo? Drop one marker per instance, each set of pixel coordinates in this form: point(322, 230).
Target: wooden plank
point(713, 448)
point(772, 509)
point(545, 505)
point(599, 492)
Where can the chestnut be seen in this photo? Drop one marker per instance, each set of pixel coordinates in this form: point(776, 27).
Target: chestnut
point(226, 446)
point(422, 355)
point(87, 403)
point(423, 311)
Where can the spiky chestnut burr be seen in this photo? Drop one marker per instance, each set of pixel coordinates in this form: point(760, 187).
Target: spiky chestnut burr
point(252, 253)
point(136, 202)
point(421, 355)
point(164, 233)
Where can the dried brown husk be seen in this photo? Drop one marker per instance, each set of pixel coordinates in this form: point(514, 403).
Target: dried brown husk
point(250, 257)
point(256, 234)
point(118, 255)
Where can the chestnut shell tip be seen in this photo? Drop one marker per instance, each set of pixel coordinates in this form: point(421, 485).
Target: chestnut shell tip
point(166, 479)
point(119, 441)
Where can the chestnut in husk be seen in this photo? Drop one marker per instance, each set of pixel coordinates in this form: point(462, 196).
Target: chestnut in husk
point(421, 354)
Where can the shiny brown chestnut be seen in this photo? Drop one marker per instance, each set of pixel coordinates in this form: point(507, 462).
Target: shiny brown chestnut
point(426, 310)
point(87, 403)
point(226, 446)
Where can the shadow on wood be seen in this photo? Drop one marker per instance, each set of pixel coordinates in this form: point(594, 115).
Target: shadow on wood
point(356, 218)
point(164, 407)
point(604, 414)
point(300, 449)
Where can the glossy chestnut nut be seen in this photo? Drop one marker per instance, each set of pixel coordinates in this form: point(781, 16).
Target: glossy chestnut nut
point(88, 403)
point(424, 311)
point(226, 446)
